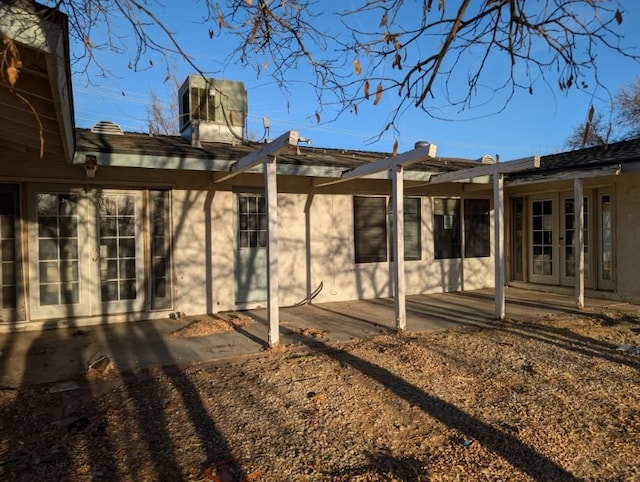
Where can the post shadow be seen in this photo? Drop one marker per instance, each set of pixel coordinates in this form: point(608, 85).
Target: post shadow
point(518, 454)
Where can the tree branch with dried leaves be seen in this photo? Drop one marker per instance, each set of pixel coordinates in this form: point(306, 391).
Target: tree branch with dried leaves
point(441, 57)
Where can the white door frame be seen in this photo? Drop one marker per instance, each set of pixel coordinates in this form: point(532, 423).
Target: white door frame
point(543, 228)
point(89, 259)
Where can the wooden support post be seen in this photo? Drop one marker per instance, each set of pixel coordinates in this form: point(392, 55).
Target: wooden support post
point(271, 191)
point(578, 241)
point(498, 226)
point(398, 247)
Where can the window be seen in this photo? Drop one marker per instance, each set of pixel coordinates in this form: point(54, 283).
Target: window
point(9, 254)
point(252, 221)
point(370, 229)
point(446, 228)
point(477, 239)
point(160, 249)
point(412, 232)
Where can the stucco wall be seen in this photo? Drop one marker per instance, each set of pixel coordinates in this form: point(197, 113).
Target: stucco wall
point(316, 239)
point(315, 246)
point(627, 221)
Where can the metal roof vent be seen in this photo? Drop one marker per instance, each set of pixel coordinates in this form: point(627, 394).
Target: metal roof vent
point(420, 144)
point(487, 159)
point(107, 127)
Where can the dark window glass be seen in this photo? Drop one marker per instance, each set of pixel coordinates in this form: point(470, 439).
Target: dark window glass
point(412, 230)
point(370, 229)
point(160, 259)
point(446, 228)
point(477, 237)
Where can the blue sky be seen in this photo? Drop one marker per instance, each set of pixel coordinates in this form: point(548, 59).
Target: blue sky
point(529, 125)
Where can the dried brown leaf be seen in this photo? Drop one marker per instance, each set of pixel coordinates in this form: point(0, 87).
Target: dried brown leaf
point(592, 111)
point(357, 67)
point(12, 75)
point(396, 62)
point(394, 153)
point(383, 20)
point(618, 17)
point(366, 89)
point(378, 94)
point(254, 31)
point(318, 117)
point(585, 133)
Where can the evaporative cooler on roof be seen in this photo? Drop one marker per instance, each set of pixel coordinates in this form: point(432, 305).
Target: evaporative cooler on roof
point(212, 109)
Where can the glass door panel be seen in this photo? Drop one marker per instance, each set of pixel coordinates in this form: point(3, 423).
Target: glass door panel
point(567, 250)
point(543, 242)
point(119, 218)
point(58, 267)
point(605, 241)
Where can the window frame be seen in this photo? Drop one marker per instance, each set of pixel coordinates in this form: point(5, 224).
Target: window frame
point(384, 214)
point(452, 235)
point(477, 228)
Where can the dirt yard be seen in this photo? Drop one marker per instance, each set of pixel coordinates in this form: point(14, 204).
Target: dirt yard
point(558, 399)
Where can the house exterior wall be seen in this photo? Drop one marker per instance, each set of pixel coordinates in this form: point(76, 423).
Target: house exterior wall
point(625, 193)
point(627, 235)
point(315, 239)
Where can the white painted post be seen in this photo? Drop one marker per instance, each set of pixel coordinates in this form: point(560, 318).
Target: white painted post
point(398, 247)
point(498, 229)
point(271, 191)
point(578, 241)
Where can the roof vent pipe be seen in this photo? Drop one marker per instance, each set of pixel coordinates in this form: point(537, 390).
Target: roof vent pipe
point(420, 144)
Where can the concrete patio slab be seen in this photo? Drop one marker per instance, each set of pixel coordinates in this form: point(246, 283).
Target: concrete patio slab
point(64, 354)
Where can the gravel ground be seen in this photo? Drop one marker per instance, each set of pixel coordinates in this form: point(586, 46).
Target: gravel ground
point(556, 399)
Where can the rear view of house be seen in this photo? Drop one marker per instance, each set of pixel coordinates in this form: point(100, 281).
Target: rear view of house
point(112, 226)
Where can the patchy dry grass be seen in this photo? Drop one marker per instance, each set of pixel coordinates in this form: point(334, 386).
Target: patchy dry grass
point(554, 399)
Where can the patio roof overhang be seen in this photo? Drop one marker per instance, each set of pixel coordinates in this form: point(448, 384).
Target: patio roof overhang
point(395, 165)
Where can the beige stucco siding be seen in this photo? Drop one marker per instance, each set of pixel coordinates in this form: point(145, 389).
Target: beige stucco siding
point(627, 262)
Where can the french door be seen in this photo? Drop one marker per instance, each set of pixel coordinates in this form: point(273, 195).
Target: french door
point(551, 252)
point(85, 251)
point(567, 238)
point(543, 240)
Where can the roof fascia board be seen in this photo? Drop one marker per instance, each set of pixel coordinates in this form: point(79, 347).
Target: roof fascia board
point(488, 169)
point(566, 175)
point(116, 159)
point(385, 164)
point(221, 167)
point(629, 167)
point(249, 161)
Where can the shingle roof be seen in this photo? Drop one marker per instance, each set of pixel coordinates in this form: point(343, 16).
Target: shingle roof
point(164, 146)
point(588, 158)
point(169, 146)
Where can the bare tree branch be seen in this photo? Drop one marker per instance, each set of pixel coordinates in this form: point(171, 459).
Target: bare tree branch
point(441, 57)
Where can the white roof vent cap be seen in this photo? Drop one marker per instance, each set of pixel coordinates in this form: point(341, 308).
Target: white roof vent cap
point(107, 127)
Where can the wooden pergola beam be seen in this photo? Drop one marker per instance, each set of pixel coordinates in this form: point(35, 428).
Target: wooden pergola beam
point(405, 159)
point(487, 170)
point(271, 149)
